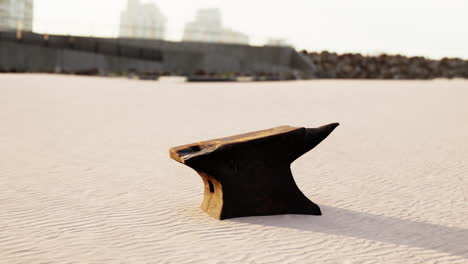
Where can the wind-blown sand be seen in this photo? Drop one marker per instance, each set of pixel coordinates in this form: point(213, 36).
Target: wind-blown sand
point(85, 174)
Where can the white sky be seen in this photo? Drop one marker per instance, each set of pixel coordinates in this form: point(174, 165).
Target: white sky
point(411, 27)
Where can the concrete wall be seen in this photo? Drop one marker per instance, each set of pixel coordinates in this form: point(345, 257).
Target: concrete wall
point(20, 57)
point(39, 53)
point(189, 57)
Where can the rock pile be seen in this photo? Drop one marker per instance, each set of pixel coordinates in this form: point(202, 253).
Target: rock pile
point(357, 66)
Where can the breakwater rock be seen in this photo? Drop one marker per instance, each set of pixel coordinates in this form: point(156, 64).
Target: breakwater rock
point(357, 66)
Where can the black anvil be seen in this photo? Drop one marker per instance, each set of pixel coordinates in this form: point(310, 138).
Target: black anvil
point(250, 174)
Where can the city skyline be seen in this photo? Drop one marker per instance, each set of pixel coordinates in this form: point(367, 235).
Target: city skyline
point(142, 20)
point(16, 14)
point(208, 27)
point(417, 28)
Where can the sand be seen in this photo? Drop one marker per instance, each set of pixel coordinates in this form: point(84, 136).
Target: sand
point(85, 175)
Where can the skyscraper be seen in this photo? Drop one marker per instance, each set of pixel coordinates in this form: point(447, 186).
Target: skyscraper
point(208, 27)
point(16, 15)
point(142, 20)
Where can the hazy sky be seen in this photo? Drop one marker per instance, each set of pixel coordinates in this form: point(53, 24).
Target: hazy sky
point(412, 27)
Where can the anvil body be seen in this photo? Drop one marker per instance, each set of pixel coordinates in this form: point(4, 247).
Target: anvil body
point(249, 174)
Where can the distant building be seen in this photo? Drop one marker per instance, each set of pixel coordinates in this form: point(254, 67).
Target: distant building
point(208, 27)
point(277, 43)
point(229, 36)
point(16, 15)
point(142, 20)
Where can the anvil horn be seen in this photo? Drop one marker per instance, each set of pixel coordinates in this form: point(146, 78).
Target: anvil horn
point(313, 137)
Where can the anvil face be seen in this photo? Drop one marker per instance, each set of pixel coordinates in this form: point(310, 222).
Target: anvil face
point(249, 174)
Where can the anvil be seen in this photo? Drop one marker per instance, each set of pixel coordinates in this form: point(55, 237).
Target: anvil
point(250, 174)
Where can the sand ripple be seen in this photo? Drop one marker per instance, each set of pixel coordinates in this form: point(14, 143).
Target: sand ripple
point(85, 175)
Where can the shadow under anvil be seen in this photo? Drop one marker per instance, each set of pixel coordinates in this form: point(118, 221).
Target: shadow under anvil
point(344, 222)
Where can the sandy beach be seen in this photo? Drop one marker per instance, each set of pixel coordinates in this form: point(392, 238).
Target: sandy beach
point(85, 174)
